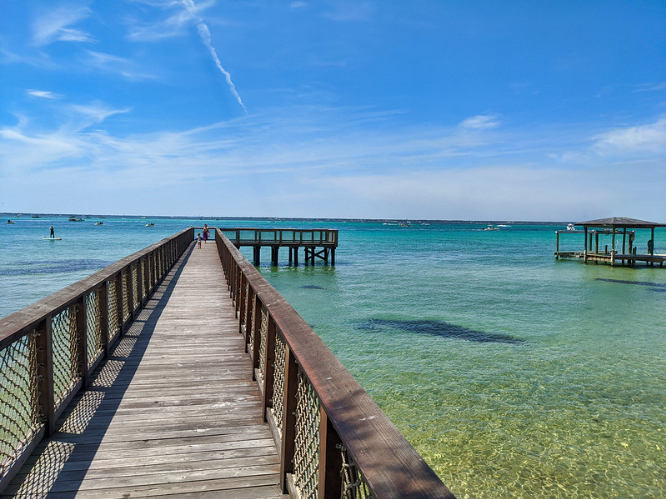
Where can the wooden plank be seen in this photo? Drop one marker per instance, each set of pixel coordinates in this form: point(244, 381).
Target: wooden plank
point(173, 412)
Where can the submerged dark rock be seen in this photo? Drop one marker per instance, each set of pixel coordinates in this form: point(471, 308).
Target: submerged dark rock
point(311, 286)
point(55, 267)
point(659, 288)
point(439, 328)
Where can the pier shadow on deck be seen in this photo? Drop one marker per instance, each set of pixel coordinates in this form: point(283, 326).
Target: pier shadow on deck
point(172, 412)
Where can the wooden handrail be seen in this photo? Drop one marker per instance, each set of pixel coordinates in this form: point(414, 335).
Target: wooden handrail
point(351, 426)
point(87, 324)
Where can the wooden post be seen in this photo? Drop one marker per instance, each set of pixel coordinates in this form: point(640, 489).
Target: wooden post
point(288, 418)
point(257, 255)
point(45, 374)
point(330, 459)
point(82, 337)
point(274, 255)
point(557, 245)
point(333, 256)
point(104, 317)
point(139, 282)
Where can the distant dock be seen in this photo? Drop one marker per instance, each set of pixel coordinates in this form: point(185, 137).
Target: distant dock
point(316, 243)
point(614, 254)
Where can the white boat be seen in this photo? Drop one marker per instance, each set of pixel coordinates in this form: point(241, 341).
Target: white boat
point(151, 224)
point(490, 227)
point(571, 227)
point(99, 223)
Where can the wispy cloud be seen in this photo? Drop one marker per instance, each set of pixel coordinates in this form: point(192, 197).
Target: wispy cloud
point(350, 11)
point(116, 65)
point(481, 122)
point(44, 94)
point(56, 26)
point(650, 87)
point(649, 139)
point(298, 5)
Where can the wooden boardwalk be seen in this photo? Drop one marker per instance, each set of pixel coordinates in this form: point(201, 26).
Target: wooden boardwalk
point(173, 412)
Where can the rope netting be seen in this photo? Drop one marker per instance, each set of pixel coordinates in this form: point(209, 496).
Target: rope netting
point(114, 323)
point(125, 298)
point(243, 320)
point(353, 485)
point(94, 326)
point(278, 380)
point(19, 414)
point(65, 353)
point(135, 286)
point(262, 343)
point(306, 440)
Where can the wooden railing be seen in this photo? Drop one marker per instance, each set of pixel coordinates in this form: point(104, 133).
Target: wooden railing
point(333, 440)
point(302, 237)
point(49, 349)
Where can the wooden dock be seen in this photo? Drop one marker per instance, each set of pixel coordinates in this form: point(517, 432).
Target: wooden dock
point(172, 412)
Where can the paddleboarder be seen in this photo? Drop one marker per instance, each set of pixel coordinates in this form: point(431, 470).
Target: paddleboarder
point(52, 232)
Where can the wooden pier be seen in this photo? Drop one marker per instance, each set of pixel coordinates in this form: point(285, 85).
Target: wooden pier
point(181, 372)
point(316, 243)
point(174, 409)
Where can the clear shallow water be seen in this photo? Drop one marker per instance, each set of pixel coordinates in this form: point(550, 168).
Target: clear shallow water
point(512, 374)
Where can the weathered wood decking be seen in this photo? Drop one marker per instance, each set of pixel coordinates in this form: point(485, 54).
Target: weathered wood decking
point(173, 412)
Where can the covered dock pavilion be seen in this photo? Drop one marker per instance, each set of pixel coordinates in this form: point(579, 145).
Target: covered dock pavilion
point(614, 254)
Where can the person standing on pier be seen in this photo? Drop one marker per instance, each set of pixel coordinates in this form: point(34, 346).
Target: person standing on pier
point(199, 240)
point(205, 233)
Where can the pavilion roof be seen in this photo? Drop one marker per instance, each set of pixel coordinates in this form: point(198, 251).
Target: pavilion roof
point(620, 222)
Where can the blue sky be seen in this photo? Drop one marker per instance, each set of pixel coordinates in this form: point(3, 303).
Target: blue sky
point(438, 109)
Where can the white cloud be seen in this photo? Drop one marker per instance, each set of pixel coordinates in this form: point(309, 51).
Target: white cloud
point(481, 122)
point(44, 94)
point(637, 139)
point(298, 5)
point(116, 65)
point(54, 26)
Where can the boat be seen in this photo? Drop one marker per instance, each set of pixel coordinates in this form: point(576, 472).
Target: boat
point(151, 224)
point(36, 216)
point(99, 223)
point(10, 222)
point(571, 227)
point(75, 219)
point(490, 227)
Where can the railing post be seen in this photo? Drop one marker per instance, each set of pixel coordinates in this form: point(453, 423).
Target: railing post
point(330, 459)
point(104, 318)
point(82, 337)
point(139, 282)
point(288, 418)
point(45, 374)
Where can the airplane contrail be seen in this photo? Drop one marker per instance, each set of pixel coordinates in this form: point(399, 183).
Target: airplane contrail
point(204, 33)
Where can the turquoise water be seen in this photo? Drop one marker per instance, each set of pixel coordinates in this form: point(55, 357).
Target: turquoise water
point(514, 375)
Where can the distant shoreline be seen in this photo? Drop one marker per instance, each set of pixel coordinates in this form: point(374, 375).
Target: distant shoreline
point(283, 219)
